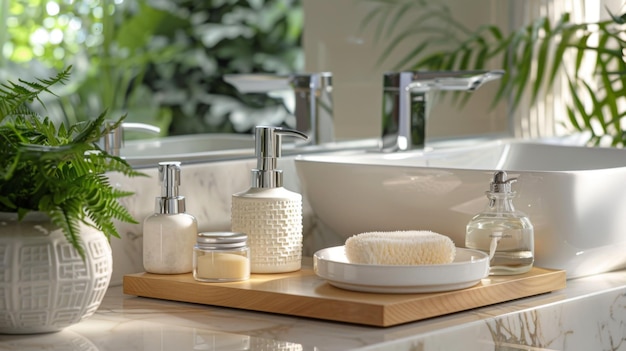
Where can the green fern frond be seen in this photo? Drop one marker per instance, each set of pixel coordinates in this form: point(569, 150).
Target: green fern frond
point(68, 221)
point(91, 131)
point(14, 96)
point(58, 170)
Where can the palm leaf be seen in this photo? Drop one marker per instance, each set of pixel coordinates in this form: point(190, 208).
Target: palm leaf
point(542, 56)
point(561, 47)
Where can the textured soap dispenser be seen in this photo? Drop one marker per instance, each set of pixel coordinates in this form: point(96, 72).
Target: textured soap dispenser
point(268, 213)
point(170, 233)
point(502, 232)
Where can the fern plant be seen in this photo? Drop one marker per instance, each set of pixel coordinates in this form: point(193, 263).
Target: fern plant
point(58, 170)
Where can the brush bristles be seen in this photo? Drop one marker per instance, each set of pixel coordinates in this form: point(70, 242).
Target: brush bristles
point(400, 248)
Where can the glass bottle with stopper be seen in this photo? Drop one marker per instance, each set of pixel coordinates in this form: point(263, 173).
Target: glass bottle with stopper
point(501, 231)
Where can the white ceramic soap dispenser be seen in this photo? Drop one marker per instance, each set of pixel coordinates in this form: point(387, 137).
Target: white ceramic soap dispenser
point(504, 233)
point(170, 233)
point(268, 213)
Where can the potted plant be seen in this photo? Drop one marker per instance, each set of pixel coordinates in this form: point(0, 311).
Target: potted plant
point(57, 212)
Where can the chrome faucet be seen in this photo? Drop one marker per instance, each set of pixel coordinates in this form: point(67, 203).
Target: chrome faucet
point(313, 99)
point(113, 141)
point(405, 103)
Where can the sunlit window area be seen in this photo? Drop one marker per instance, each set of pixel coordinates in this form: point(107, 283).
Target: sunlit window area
point(156, 61)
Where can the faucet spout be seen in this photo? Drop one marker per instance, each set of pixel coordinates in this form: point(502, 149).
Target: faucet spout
point(112, 142)
point(313, 110)
point(405, 102)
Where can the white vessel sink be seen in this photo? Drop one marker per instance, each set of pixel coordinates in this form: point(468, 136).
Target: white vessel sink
point(575, 196)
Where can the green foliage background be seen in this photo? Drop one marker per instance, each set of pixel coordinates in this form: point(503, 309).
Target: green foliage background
point(159, 61)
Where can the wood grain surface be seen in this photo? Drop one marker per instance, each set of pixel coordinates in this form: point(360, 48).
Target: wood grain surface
point(304, 294)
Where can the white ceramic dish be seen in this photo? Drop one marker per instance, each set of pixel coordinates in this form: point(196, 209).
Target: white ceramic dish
point(468, 268)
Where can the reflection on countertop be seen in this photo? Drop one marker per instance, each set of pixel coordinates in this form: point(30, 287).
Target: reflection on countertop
point(587, 315)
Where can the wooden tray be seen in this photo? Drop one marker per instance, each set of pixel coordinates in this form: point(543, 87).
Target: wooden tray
point(304, 294)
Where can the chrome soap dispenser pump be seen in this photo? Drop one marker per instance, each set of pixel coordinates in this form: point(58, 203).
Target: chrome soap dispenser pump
point(170, 233)
point(504, 233)
point(268, 213)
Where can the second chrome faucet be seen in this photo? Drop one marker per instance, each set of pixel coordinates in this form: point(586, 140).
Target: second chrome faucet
point(113, 141)
point(405, 102)
point(313, 102)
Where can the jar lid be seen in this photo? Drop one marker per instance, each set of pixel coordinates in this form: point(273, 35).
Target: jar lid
point(222, 240)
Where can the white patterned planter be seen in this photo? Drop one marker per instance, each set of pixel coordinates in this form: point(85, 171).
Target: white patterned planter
point(44, 284)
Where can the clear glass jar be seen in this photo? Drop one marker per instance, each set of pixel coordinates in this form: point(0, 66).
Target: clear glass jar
point(505, 234)
point(221, 257)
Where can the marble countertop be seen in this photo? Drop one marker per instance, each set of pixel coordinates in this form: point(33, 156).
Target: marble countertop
point(587, 315)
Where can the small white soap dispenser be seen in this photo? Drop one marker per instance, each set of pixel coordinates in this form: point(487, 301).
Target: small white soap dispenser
point(268, 213)
point(504, 233)
point(170, 233)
